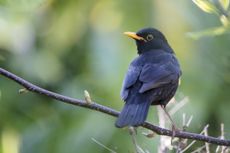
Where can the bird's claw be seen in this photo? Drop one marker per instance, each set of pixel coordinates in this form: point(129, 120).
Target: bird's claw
point(174, 131)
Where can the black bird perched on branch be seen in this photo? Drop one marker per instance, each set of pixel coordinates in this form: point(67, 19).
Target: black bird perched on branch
point(152, 77)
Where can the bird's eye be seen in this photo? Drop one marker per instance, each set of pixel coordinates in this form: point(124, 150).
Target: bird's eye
point(149, 37)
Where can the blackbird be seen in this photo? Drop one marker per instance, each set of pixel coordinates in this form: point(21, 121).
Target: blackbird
point(152, 77)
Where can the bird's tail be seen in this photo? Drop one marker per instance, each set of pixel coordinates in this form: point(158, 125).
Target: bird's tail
point(133, 114)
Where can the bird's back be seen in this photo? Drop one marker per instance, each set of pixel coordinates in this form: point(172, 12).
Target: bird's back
point(153, 60)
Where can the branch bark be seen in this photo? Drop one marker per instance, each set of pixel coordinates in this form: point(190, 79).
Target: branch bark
point(97, 107)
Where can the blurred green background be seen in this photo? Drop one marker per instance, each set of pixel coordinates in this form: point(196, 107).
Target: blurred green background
point(72, 45)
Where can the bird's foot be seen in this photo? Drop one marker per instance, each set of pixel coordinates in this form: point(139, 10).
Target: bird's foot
point(174, 130)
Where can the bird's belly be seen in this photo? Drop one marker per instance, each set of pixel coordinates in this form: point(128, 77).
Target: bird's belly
point(164, 94)
point(157, 96)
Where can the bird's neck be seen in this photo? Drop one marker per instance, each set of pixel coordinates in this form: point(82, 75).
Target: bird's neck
point(149, 47)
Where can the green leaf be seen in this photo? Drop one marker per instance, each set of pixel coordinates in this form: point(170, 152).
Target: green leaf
point(208, 33)
point(224, 4)
point(224, 20)
point(206, 6)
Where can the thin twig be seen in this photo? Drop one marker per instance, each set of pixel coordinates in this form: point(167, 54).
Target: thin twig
point(165, 142)
point(217, 149)
point(183, 142)
point(103, 146)
point(189, 121)
point(97, 107)
point(132, 132)
point(222, 135)
point(199, 149)
point(206, 144)
point(183, 119)
point(178, 106)
point(223, 149)
point(188, 146)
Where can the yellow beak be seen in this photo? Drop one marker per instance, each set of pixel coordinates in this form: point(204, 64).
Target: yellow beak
point(134, 35)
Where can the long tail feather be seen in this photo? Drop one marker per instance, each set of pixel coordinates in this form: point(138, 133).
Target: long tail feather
point(133, 114)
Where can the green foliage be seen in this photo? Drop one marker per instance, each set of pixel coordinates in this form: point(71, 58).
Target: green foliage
point(221, 10)
point(206, 6)
point(208, 32)
point(224, 4)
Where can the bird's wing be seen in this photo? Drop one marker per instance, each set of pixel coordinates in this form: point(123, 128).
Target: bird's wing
point(156, 75)
point(130, 79)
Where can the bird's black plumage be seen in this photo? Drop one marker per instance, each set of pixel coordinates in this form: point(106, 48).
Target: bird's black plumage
point(152, 77)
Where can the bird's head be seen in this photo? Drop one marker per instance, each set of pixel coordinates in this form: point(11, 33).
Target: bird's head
point(149, 39)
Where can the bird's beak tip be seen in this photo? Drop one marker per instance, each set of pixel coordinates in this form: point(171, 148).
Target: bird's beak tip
point(133, 35)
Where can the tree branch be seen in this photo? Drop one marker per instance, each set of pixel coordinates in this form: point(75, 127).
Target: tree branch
point(94, 106)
